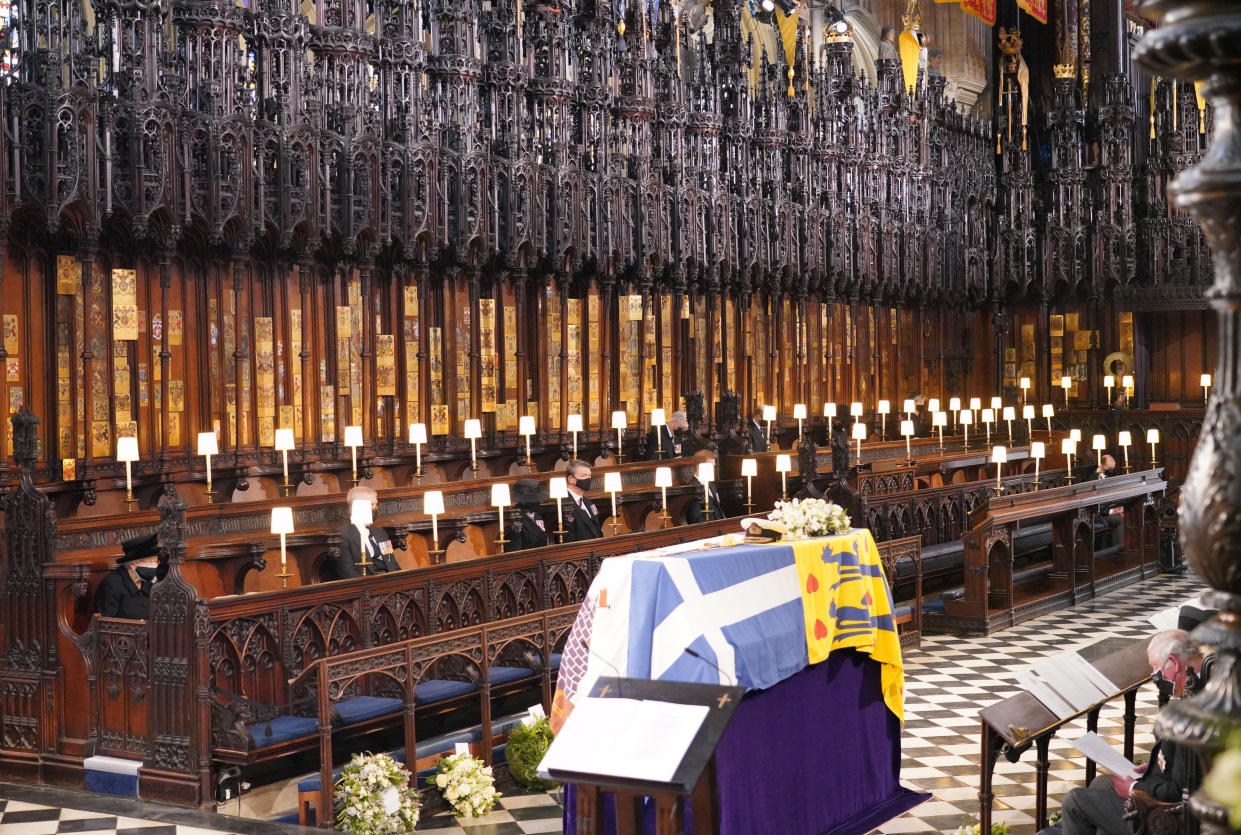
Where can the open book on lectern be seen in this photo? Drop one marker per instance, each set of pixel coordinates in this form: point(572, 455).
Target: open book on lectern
point(637, 733)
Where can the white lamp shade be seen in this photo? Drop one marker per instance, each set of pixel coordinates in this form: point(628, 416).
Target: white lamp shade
point(573, 423)
point(909, 406)
point(500, 496)
point(433, 502)
point(907, 427)
point(1049, 410)
point(997, 404)
point(884, 407)
point(284, 440)
point(988, 415)
point(954, 404)
point(967, 417)
point(612, 482)
point(829, 410)
point(939, 419)
point(1068, 446)
point(706, 471)
point(525, 425)
point(127, 448)
point(282, 520)
point(558, 488)
point(859, 431)
point(1066, 382)
point(619, 420)
point(1127, 381)
point(1076, 435)
point(658, 418)
point(1125, 438)
point(975, 403)
point(784, 463)
point(1024, 382)
point(749, 467)
point(1100, 442)
point(1109, 381)
point(999, 455)
point(663, 476)
point(855, 409)
point(769, 413)
point(1027, 412)
point(932, 405)
point(799, 411)
point(208, 444)
point(1038, 450)
point(1206, 380)
point(360, 512)
point(1152, 436)
point(417, 433)
point(1009, 413)
point(353, 436)
point(473, 428)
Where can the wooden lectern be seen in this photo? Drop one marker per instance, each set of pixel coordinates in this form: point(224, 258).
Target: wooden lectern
point(693, 783)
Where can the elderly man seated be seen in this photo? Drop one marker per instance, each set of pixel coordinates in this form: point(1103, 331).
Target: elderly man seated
point(1171, 772)
point(380, 556)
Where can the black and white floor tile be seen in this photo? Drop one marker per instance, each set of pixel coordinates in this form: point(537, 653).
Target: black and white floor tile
point(947, 681)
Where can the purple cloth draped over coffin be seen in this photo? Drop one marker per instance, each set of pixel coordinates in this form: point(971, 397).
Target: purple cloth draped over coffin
point(817, 754)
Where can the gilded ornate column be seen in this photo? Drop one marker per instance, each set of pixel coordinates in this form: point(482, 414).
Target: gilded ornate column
point(1201, 40)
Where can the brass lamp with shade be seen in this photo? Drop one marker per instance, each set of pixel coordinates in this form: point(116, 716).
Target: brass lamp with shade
point(284, 443)
point(1124, 439)
point(988, 418)
point(500, 499)
point(208, 445)
point(769, 414)
point(1127, 382)
point(1076, 435)
point(799, 414)
point(706, 474)
point(749, 469)
point(1109, 383)
point(907, 429)
point(1024, 384)
point(558, 489)
point(1100, 444)
point(1066, 383)
point(612, 484)
point(658, 422)
point(966, 419)
point(619, 422)
point(855, 411)
point(829, 412)
point(433, 506)
point(663, 480)
point(1152, 438)
point(954, 406)
point(573, 423)
point(361, 515)
point(975, 404)
point(939, 420)
point(1038, 451)
point(884, 409)
point(932, 405)
point(1049, 411)
point(418, 437)
point(999, 457)
point(1027, 414)
point(909, 407)
point(282, 524)
point(859, 435)
point(997, 405)
point(1205, 380)
point(783, 464)
point(127, 452)
point(1010, 414)
point(1068, 447)
point(525, 428)
point(353, 440)
point(473, 430)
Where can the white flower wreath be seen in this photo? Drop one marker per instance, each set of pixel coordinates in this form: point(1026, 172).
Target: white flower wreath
point(373, 797)
point(810, 517)
point(466, 784)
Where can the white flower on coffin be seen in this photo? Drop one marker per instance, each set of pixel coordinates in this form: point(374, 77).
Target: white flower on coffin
point(810, 517)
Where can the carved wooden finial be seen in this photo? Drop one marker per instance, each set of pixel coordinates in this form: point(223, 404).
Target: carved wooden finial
point(25, 437)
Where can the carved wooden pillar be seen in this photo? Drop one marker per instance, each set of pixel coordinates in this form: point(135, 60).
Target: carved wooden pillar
point(310, 381)
point(473, 280)
point(165, 357)
point(1197, 39)
point(422, 279)
point(608, 325)
point(89, 360)
point(1042, 352)
point(520, 279)
point(241, 356)
point(366, 356)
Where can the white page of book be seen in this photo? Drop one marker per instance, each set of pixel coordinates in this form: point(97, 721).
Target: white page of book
point(1032, 684)
point(1073, 687)
point(1092, 672)
point(635, 739)
point(1096, 747)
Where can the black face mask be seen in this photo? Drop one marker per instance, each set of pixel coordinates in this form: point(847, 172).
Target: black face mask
point(147, 572)
point(583, 484)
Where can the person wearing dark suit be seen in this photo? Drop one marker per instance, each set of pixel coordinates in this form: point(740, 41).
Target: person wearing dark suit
point(527, 529)
point(126, 591)
point(754, 428)
point(582, 517)
point(380, 556)
point(664, 442)
point(694, 511)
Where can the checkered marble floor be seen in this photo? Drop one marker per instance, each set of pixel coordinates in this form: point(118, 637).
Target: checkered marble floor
point(947, 681)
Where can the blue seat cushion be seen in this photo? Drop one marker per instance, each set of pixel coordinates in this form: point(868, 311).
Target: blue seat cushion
point(438, 690)
point(555, 661)
point(361, 708)
point(283, 728)
point(904, 610)
point(503, 675)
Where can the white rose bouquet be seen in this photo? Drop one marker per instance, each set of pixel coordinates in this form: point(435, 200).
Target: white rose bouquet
point(373, 797)
point(466, 784)
point(810, 517)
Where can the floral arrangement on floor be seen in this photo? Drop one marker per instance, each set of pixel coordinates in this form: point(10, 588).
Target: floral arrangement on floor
point(810, 517)
point(466, 784)
point(373, 797)
point(973, 828)
point(524, 751)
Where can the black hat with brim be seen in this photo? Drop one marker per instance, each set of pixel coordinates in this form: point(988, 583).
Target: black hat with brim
point(526, 490)
point(139, 548)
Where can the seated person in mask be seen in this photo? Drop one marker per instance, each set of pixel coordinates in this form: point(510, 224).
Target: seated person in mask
point(666, 441)
point(379, 553)
point(754, 428)
point(695, 511)
point(582, 519)
point(526, 529)
point(126, 591)
point(1100, 807)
